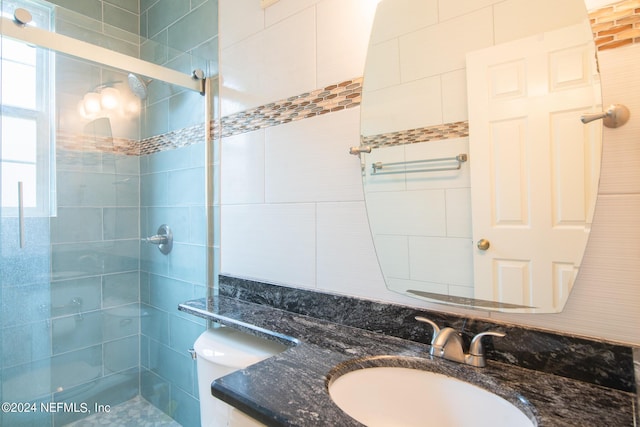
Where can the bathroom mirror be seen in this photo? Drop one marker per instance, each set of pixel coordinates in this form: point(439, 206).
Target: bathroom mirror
point(481, 181)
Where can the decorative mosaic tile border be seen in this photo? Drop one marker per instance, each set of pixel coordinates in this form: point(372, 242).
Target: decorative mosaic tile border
point(337, 97)
point(172, 140)
point(411, 136)
point(616, 25)
point(92, 143)
point(130, 147)
point(613, 26)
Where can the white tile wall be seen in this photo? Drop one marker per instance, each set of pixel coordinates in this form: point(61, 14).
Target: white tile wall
point(272, 242)
point(306, 243)
point(420, 212)
point(289, 48)
point(285, 9)
point(241, 19)
point(393, 252)
point(242, 178)
point(450, 9)
point(413, 15)
point(347, 262)
point(406, 97)
point(339, 53)
point(454, 96)
point(384, 58)
point(273, 64)
point(515, 19)
point(441, 260)
point(421, 58)
point(308, 160)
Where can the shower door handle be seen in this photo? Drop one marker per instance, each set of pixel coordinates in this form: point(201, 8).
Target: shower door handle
point(20, 215)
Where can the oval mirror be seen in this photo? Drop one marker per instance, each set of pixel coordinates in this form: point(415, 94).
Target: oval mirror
point(481, 181)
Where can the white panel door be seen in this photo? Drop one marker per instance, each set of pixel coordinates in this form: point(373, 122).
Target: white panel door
point(534, 166)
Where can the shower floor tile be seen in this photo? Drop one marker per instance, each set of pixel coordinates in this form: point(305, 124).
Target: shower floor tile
point(136, 412)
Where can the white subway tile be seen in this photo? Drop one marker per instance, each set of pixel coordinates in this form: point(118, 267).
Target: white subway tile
point(239, 19)
point(308, 160)
point(243, 168)
point(274, 243)
point(383, 66)
point(407, 101)
point(393, 254)
point(240, 81)
point(347, 261)
point(408, 16)
point(454, 97)
point(289, 57)
point(420, 212)
point(450, 9)
point(516, 19)
point(285, 8)
point(343, 35)
point(441, 260)
point(421, 57)
point(459, 212)
point(272, 65)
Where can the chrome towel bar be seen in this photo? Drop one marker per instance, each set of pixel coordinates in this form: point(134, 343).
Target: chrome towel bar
point(460, 159)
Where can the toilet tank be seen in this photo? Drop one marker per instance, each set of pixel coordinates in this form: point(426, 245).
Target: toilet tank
point(221, 351)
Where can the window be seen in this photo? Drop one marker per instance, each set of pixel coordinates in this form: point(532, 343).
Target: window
point(26, 153)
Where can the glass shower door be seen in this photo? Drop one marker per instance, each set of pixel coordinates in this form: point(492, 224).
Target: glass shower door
point(26, 166)
point(88, 313)
point(70, 240)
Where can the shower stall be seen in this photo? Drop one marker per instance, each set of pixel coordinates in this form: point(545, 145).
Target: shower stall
point(105, 137)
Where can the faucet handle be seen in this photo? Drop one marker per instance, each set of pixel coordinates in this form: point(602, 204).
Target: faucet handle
point(436, 329)
point(476, 350)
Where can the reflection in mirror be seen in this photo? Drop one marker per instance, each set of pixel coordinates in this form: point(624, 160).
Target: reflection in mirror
point(481, 182)
point(99, 128)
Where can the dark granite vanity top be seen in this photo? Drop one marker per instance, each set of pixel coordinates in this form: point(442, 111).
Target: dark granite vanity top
point(290, 389)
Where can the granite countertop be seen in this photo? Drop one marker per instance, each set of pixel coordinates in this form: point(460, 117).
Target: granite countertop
point(290, 388)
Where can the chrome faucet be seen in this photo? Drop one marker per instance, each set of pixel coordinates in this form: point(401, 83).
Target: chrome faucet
point(447, 344)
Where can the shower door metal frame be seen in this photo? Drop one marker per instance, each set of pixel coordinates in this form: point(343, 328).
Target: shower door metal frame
point(95, 53)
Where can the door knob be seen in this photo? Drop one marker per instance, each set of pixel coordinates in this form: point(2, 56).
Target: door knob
point(483, 244)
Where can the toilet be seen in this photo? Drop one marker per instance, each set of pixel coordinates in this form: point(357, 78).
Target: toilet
point(219, 352)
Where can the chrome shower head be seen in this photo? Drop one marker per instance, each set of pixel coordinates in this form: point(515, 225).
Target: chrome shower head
point(138, 86)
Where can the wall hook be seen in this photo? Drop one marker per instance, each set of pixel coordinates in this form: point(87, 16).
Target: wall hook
point(615, 116)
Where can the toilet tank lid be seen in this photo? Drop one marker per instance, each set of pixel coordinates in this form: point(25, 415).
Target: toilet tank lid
point(235, 349)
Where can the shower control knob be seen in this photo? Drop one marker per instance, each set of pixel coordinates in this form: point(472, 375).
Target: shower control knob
point(163, 238)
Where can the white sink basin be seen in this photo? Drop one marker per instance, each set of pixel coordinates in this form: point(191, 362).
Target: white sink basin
point(395, 396)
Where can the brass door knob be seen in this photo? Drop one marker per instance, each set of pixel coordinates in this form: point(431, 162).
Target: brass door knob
point(483, 244)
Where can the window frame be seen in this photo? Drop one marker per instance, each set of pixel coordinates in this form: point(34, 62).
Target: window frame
point(41, 114)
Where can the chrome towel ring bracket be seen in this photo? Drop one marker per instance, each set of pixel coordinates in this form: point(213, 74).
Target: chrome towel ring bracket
point(163, 238)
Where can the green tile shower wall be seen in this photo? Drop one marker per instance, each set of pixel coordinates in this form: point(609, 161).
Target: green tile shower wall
point(95, 259)
point(171, 192)
point(118, 13)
